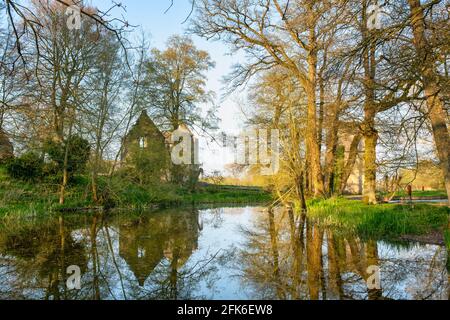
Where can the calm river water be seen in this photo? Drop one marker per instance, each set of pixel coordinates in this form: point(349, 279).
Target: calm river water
point(225, 253)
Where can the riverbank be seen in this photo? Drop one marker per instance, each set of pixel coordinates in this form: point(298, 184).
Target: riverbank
point(384, 221)
point(389, 221)
point(28, 198)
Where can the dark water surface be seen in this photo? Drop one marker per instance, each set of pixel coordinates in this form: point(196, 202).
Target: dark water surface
point(227, 253)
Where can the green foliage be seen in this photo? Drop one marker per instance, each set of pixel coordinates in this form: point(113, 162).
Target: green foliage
point(144, 196)
point(381, 221)
point(185, 175)
point(78, 153)
point(28, 167)
point(22, 199)
point(187, 67)
point(148, 165)
point(427, 174)
point(214, 194)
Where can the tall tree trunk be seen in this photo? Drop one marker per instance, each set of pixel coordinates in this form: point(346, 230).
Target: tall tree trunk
point(369, 131)
point(310, 88)
point(370, 166)
point(94, 184)
point(311, 135)
point(65, 179)
point(308, 179)
point(436, 111)
point(351, 161)
point(94, 181)
point(301, 192)
point(321, 111)
point(332, 142)
point(370, 111)
point(98, 148)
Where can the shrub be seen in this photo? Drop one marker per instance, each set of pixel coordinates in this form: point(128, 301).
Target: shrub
point(79, 151)
point(27, 167)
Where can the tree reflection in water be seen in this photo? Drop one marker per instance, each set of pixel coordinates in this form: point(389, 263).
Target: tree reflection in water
point(141, 258)
point(291, 257)
point(235, 253)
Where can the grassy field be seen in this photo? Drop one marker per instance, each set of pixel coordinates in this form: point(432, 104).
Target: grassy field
point(213, 194)
point(425, 194)
point(384, 221)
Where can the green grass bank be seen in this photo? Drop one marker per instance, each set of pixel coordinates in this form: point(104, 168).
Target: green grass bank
point(25, 198)
point(384, 221)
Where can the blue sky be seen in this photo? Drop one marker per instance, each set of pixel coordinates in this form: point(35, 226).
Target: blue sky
point(150, 16)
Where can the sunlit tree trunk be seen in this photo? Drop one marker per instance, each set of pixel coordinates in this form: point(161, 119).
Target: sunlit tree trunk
point(321, 109)
point(351, 161)
point(436, 111)
point(370, 166)
point(311, 86)
point(311, 134)
point(369, 131)
point(331, 146)
point(300, 190)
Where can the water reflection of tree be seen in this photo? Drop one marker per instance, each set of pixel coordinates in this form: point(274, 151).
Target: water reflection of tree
point(145, 257)
point(290, 257)
point(37, 257)
point(213, 217)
